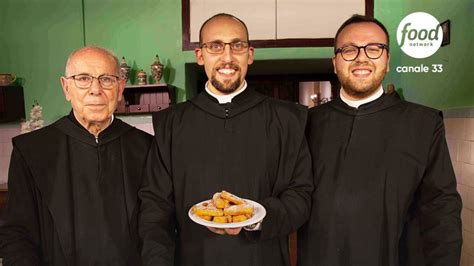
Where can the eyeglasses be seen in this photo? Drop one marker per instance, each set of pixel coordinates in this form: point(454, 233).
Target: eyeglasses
point(217, 47)
point(372, 51)
point(84, 81)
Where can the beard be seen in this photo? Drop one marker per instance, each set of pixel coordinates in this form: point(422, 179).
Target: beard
point(227, 86)
point(362, 88)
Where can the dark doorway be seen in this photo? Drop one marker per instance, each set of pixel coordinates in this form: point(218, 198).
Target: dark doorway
point(276, 78)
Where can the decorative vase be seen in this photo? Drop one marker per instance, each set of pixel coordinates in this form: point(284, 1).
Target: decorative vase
point(7, 79)
point(124, 70)
point(157, 70)
point(141, 77)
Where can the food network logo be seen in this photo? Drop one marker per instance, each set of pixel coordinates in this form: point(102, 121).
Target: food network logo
point(419, 35)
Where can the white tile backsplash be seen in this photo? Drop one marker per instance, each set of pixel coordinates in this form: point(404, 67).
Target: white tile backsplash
point(460, 139)
point(7, 132)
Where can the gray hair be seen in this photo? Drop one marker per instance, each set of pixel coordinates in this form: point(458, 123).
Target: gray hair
point(88, 48)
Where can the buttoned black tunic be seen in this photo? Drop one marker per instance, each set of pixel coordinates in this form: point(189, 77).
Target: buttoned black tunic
point(385, 191)
point(253, 147)
point(72, 198)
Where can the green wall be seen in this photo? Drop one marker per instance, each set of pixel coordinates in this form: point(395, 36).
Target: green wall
point(37, 36)
point(453, 88)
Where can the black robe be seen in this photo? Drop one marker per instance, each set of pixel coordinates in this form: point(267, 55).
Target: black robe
point(72, 199)
point(254, 147)
point(385, 190)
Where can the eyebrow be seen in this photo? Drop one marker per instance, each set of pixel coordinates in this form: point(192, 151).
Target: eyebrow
point(233, 40)
point(81, 74)
point(354, 44)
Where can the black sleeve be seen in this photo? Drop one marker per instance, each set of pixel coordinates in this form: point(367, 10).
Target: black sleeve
point(19, 236)
point(440, 206)
point(157, 218)
point(290, 205)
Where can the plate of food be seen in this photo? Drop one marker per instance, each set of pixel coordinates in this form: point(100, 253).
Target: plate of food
point(226, 210)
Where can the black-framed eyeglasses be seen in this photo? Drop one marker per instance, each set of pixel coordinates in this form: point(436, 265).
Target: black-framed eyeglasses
point(372, 51)
point(84, 81)
point(218, 47)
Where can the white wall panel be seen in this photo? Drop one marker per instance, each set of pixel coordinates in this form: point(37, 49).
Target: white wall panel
point(259, 15)
point(314, 18)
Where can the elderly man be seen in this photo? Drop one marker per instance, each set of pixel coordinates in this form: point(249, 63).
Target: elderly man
point(228, 137)
point(386, 191)
point(73, 184)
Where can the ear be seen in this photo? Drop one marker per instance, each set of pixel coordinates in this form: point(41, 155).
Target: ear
point(251, 53)
point(198, 54)
point(121, 88)
point(388, 62)
point(65, 85)
point(334, 64)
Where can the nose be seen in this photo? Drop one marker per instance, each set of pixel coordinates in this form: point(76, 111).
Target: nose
point(95, 88)
point(227, 54)
point(362, 56)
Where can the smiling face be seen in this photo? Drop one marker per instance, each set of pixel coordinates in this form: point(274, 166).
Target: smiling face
point(226, 71)
point(93, 106)
point(363, 76)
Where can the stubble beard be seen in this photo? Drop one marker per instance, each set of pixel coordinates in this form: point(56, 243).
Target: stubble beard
point(361, 89)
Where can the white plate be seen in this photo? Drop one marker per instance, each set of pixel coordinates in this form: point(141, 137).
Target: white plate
point(258, 213)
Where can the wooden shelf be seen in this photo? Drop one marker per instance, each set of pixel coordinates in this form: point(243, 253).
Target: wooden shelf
point(12, 103)
point(149, 98)
point(146, 86)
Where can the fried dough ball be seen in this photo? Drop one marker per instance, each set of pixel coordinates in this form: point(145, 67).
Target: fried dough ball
point(239, 209)
point(232, 198)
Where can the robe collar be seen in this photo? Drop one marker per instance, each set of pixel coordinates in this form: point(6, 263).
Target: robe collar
point(71, 127)
point(381, 103)
point(240, 103)
point(228, 97)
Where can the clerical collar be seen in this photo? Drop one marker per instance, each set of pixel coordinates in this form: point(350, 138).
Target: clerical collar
point(357, 103)
point(228, 97)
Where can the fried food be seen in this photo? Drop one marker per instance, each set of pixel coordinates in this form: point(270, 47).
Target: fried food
point(239, 209)
point(205, 217)
point(239, 218)
point(224, 207)
point(207, 209)
point(232, 198)
point(218, 201)
point(220, 219)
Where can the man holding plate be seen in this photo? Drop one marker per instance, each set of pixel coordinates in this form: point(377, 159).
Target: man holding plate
point(228, 137)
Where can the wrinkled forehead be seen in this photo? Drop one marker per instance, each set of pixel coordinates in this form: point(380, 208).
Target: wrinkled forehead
point(224, 29)
point(361, 34)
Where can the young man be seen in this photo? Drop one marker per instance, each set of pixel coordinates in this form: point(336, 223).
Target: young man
point(231, 138)
point(385, 188)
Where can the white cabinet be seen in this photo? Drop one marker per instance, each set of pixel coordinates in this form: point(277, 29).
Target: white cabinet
point(258, 15)
point(314, 18)
point(279, 19)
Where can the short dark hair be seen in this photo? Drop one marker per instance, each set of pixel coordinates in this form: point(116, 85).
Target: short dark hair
point(361, 19)
point(222, 15)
